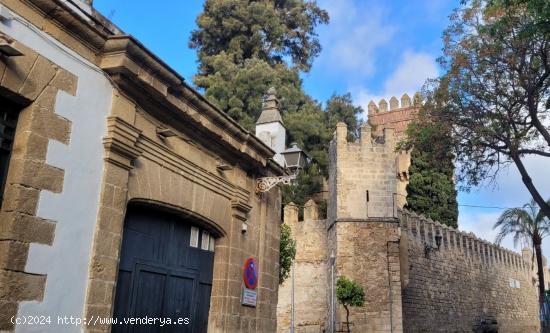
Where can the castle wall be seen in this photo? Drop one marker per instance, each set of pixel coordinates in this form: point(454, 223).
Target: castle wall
point(383, 249)
point(363, 227)
point(398, 117)
point(468, 280)
point(310, 273)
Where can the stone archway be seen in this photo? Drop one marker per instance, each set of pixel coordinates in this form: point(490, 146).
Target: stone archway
point(165, 271)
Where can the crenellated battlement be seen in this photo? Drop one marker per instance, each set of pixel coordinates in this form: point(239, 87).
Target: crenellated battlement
point(423, 230)
point(398, 113)
point(362, 174)
point(367, 138)
point(310, 211)
point(394, 104)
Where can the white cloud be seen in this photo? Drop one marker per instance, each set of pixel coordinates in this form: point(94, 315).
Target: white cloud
point(408, 77)
point(509, 192)
point(355, 32)
point(411, 73)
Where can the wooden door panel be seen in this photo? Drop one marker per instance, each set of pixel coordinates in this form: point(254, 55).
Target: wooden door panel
point(161, 275)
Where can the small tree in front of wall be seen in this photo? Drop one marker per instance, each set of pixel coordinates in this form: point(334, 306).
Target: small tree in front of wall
point(349, 293)
point(287, 252)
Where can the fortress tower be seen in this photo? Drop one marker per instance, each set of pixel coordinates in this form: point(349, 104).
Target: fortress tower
point(398, 116)
point(362, 226)
point(418, 275)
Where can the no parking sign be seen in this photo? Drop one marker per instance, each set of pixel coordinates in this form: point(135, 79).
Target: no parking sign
point(250, 273)
point(250, 276)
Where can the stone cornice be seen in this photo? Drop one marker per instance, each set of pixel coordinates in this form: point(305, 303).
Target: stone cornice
point(89, 30)
point(163, 93)
point(240, 209)
point(120, 143)
point(156, 87)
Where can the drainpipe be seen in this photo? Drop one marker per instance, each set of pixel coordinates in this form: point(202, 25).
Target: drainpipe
point(332, 260)
point(389, 285)
point(292, 302)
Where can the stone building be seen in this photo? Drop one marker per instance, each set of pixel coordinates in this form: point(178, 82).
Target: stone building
point(125, 193)
point(410, 283)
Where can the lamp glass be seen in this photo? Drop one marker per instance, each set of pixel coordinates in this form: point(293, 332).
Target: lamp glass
point(294, 157)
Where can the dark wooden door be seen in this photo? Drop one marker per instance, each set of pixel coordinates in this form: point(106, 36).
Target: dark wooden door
point(8, 122)
point(165, 271)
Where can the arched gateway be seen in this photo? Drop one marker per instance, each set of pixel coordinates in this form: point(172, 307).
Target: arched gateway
point(165, 271)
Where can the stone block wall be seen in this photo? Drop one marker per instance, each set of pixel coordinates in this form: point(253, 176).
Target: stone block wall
point(33, 82)
point(363, 230)
point(398, 116)
point(311, 273)
point(368, 252)
point(367, 165)
point(407, 289)
point(467, 281)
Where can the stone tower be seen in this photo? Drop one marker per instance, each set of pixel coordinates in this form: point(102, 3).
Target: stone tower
point(417, 274)
point(397, 115)
point(270, 127)
point(362, 226)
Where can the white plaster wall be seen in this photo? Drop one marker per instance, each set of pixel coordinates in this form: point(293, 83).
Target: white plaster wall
point(75, 209)
point(278, 138)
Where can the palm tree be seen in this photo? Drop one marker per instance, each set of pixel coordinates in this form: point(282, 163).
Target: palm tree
point(527, 224)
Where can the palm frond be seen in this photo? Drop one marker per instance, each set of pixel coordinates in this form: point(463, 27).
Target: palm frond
point(517, 222)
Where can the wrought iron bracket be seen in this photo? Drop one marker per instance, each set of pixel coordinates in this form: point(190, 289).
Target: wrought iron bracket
point(265, 184)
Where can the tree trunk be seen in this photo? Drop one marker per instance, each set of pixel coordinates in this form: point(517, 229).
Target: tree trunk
point(540, 272)
point(528, 182)
point(347, 318)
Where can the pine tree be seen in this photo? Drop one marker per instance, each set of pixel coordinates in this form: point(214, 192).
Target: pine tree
point(247, 46)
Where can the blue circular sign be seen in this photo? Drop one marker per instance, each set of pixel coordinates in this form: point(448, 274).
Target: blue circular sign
point(250, 274)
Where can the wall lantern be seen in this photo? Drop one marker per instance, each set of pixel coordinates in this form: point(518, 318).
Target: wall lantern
point(429, 248)
point(294, 160)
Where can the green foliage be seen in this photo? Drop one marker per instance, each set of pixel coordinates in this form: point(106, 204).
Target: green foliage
point(495, 92)
point(341, 108)
point(271, 31)
point(307, 183)
point(539, 11)
point(239, 89)
point(431, 190)
point(527, 224)
point(242, 47)
point(247, 46)
point(349, 293)
point(287, 252)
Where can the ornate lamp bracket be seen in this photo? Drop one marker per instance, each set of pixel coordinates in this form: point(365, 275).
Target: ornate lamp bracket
point(265, 184)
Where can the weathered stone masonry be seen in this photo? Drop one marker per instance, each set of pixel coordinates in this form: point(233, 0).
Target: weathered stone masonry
point(408, 289)
point(467, 281)
point(135, 165)
point(34, 82)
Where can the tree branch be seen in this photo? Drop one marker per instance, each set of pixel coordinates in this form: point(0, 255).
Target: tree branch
point(544, 207)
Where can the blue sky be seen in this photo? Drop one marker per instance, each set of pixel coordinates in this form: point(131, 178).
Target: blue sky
point(373, 49)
